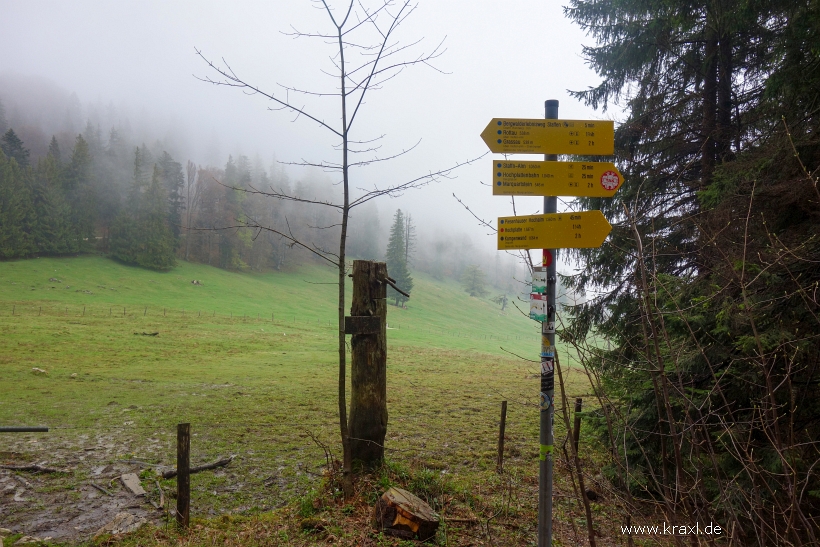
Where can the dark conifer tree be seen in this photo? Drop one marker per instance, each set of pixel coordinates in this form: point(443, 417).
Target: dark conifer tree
point(230, 214)
point(474, 281)
point(54, 151)
point(93, 137)
point(395, 259)
point(4, 123)
point(16, 210)
point(13, 148)
point(142, 176)
point(52, 232)
point(156, 242)
point(124, 238)
point(707, 88)
point(173, 180)
point(79, 191)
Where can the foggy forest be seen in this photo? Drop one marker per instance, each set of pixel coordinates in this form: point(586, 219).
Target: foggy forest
point(382, 273)
point(86, 182)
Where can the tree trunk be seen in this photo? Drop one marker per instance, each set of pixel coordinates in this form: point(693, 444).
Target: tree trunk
point(368, 374)
point(724, 92)
point(710, 73)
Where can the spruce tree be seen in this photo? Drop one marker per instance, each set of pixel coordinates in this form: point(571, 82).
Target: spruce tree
point(141, 180)
point(54, 150)
point(4, 123)
point(707, 88)
point(124, 237)
point(13, 148)
point(395, 259)
point(474, 281)
point(79, 191)
point(173, 180)
point(156, 242)
point(93, 136)
point(16, 211)
point(230, 213)
point(52, 232)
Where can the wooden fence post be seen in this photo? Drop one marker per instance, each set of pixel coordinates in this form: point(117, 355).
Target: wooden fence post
point(367, 425)
point(501, 428)
point(183, 474)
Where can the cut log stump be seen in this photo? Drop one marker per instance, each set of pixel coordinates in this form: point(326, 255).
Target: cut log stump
point(400, 513)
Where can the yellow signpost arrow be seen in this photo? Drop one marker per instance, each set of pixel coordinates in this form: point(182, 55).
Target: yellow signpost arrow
point(522, 136)
point(582, 230)
point(555, 178)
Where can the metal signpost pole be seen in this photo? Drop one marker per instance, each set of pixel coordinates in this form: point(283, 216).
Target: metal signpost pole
point(547, 372)
point(553, 230)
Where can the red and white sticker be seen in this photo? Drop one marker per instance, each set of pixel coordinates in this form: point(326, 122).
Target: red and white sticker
point(610, 180)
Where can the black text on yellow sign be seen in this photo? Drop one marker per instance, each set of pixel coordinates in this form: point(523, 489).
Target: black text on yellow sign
point(586, 229)
point(523, 136)
point(555, 178)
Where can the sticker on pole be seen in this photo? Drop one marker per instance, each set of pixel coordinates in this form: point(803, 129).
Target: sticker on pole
point(547, 365)
point(545, 401)
point(539, 280)
point(546, 259)
point(538, 307)
point(610, 180)
point(547, 382)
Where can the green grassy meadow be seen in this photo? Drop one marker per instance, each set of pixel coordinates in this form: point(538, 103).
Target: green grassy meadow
point(438, 313)
point(250, 361)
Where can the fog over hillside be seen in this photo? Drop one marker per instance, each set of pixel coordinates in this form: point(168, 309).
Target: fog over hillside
point(133, 65)
point(123, 140)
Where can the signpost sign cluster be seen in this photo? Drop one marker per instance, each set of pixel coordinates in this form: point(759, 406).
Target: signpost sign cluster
point(550, 231)
point(560, 178)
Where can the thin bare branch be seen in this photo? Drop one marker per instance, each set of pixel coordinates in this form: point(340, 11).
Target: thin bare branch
point(480, 220)
point(232, 80)
point(411, 184)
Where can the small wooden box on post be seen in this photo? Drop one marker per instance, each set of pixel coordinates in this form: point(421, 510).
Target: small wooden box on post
point(367, 323)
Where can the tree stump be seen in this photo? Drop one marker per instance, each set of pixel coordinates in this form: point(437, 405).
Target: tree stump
point(400, 513)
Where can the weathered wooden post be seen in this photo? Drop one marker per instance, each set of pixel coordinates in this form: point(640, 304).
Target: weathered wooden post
point(367, 425)
point(499, 464)
point(183, 474)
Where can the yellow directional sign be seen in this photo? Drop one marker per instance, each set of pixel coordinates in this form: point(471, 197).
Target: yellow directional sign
point(553, 231)
point(555, 178)
point(521, 136)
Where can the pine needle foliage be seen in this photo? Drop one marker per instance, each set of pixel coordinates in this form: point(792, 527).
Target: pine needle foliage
point(707, 284)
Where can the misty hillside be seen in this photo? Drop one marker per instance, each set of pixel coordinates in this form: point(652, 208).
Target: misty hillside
point(77, 178)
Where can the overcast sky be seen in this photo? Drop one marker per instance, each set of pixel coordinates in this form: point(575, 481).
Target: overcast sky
point(503, 59)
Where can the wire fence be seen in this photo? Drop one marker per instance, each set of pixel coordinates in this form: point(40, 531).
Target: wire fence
point(142, 311)
point(153, 445)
